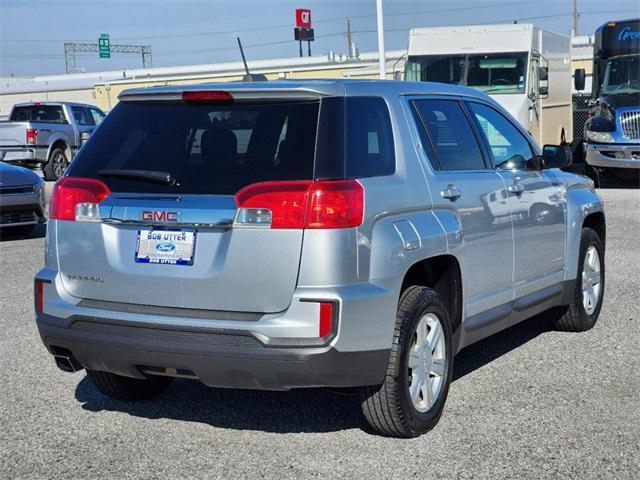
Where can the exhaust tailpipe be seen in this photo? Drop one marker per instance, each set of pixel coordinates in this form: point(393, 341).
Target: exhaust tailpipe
point(67, 364)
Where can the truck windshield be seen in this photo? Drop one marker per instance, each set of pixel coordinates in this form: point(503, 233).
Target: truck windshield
point(490, 73)
point(622, 75)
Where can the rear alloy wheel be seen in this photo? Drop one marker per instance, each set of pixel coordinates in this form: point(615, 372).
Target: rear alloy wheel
point(56, 165)
point(412, 397)
point(425, 367)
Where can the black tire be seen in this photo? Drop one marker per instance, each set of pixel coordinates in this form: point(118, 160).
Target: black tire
point(128, 389)
point(388, 407)
point(574, 317)
point(56, 165)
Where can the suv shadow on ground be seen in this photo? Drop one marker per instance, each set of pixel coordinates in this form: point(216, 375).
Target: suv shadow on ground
point(304, 410)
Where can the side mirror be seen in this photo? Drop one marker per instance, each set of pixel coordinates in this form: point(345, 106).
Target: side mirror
point(543, 91)
point(556, 156)
point(543, 73)
point(579, 79)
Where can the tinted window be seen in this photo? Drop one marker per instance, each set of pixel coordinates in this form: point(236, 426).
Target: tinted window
point(207, 148)
point(38, 113)
point(510, 148)
point(97, 115)
point(355, 138)
point(370, 150)
point(450, 135)
point(436, 68)
point(82, 116)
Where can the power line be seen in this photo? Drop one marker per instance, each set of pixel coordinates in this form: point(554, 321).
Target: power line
point(272, 27)
point(326, 35)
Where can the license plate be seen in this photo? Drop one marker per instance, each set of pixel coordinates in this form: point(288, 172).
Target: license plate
point(168, 247)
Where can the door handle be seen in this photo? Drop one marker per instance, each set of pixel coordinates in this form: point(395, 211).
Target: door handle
point(451, 192)
point(516, 188)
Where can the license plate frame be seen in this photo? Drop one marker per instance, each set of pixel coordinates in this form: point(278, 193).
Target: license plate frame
point(177, 242)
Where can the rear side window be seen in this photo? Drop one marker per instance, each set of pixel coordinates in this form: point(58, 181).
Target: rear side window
point(38, 113)
point(450, 134)
point(370, 150)
point(207, 148)
point(355, 138)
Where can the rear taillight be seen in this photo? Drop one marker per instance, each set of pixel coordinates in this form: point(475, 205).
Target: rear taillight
point(301, 204)
point(77, 198)
point(32, 136)
point(39, 294)
point(335, 204)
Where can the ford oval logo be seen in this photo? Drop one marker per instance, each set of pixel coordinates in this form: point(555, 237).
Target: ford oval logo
point(165, 247)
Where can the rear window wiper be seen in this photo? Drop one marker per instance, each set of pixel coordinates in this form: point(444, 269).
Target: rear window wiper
point(151, 176)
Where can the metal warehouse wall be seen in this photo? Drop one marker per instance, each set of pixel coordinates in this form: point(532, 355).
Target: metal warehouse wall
point(106, 94)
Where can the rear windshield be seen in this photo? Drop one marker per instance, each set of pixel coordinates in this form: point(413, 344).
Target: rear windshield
point(219, 149)
point(207, 148)
point(38, 113)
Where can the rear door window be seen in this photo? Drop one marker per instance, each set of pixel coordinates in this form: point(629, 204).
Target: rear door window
point(449, 134)
point(207, 148)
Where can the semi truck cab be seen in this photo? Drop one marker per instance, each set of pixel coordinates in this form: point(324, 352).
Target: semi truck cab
point(612, 133)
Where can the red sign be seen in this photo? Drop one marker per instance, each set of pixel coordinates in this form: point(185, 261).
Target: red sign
point(303, 18)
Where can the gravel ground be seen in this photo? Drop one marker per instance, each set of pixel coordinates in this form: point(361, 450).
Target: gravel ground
point(529, 402)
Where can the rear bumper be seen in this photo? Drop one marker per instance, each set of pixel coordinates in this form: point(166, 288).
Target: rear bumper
point(613, 155)
point(275, 351)
point(23, 154)
point(218, 359)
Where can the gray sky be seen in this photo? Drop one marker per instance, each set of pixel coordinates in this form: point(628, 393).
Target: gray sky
point(32, 32)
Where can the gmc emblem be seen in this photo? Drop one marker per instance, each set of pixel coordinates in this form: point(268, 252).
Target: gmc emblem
point(156, 216)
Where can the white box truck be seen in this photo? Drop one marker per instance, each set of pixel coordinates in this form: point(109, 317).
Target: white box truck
point(524, 68)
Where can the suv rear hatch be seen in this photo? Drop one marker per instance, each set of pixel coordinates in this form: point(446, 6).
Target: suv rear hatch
point(165, 174)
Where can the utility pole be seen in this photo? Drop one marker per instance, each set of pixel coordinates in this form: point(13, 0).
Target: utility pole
point(381, 58)
point(576, 17)
point(349, 37)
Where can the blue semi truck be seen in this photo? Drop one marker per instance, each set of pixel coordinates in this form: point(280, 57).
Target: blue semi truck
point(612, 132)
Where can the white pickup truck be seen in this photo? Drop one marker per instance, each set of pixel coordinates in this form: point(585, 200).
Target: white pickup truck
point(47, 134)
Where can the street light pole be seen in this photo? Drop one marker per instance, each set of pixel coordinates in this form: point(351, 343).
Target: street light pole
point(381, 59)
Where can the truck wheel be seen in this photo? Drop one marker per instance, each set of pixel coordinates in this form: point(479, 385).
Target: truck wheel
point(583, 312)
point(56, 165)
point(412, 397)
point(119, 387)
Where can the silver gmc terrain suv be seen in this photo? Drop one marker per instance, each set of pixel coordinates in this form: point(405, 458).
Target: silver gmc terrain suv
point(279, 235)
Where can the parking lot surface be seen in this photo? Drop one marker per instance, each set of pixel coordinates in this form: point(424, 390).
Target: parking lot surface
point(529, 402)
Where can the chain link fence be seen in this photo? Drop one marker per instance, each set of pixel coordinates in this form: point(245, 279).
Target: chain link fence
point(581, 111)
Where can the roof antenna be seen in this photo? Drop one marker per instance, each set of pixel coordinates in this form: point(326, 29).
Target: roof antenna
point(248, 77)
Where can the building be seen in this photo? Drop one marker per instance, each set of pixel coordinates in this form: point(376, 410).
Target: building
point(102, 88)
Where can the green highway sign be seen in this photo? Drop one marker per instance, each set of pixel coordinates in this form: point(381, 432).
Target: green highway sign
point(104, 47)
